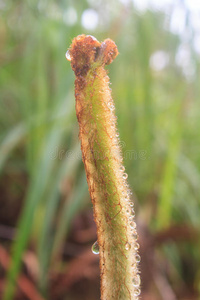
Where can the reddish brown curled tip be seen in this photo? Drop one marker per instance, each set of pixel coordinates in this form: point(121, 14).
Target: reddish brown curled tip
point(85, 50)
point(109, 51)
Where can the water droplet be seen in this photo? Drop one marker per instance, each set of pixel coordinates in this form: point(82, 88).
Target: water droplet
point(131, 204)
point(136, 280)
point(126, 198)
point(125, 176)
point(133, 225)
point(135, 236)
point(127, 246)
point(137, 258)
point(132, 212)
point(128, 211)
point(117, 134)
point(136, 246)
point(68, 56)
point(137, 292)
point(122, 169)
point(95, 248)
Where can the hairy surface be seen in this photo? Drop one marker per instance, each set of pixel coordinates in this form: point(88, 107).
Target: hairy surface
point(109, 191)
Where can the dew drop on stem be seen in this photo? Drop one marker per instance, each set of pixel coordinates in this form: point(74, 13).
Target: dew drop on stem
point(137, 258)
point(125, 175)
point(137, 292)
point(127, 246)
point(68, 56)
point(129, 192)
point(136, 246)
point(135, 236)
point(122, 169)
point(136, 280)
point(133, 225)
point(95, 248)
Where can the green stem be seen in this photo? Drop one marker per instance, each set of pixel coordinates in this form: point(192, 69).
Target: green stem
point(109, 191)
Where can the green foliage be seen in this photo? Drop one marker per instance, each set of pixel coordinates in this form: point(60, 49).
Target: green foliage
point(158, 118)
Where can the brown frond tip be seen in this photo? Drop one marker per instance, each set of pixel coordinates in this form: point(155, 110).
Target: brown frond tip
point(85, 50)
point(108, 51)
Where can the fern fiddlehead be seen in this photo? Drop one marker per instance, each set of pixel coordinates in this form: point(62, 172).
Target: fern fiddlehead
point(107, 181)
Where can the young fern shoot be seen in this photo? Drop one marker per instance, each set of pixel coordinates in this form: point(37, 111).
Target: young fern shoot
point(113, 210)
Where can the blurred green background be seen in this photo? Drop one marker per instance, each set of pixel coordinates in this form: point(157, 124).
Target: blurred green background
point(46, 223)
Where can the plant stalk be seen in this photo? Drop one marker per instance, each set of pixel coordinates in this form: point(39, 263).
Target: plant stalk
point(102, 157)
